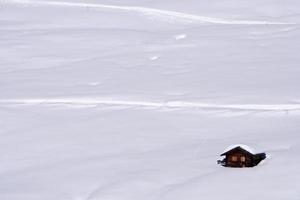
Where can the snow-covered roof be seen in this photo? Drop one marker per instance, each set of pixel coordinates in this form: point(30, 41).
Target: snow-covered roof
point(243, 146)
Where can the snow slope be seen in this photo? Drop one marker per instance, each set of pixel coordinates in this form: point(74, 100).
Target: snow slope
point(136, 99)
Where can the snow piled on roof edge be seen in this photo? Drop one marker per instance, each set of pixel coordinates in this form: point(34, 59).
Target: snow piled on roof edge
point(247, 148)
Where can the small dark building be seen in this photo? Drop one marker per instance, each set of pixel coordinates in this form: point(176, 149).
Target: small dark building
point(241, 156)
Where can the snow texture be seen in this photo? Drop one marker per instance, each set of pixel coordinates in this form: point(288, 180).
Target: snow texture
point(136, 99)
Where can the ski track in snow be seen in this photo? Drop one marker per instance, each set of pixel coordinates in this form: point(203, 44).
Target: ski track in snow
point(165, 15)
point(81, 102)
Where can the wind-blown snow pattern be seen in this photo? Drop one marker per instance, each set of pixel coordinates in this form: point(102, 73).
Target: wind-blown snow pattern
point(137, 99)
point(158, 105)
point(154, 13)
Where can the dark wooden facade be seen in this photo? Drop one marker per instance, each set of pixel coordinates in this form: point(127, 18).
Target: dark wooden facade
point(239, 157)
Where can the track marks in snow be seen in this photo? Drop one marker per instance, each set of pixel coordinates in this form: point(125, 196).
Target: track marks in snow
point(91, 102)
point(187, 182)
point(164, 15)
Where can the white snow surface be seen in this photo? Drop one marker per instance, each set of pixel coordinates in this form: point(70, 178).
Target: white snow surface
point(136, 99)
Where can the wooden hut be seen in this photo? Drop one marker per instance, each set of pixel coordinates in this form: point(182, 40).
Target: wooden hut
point(241, 156)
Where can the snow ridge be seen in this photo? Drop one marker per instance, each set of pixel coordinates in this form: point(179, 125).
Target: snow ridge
point(165, 15)
point(152, 104)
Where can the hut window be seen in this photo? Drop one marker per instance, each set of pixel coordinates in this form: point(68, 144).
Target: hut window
point(243, 159)
point(234, 158)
